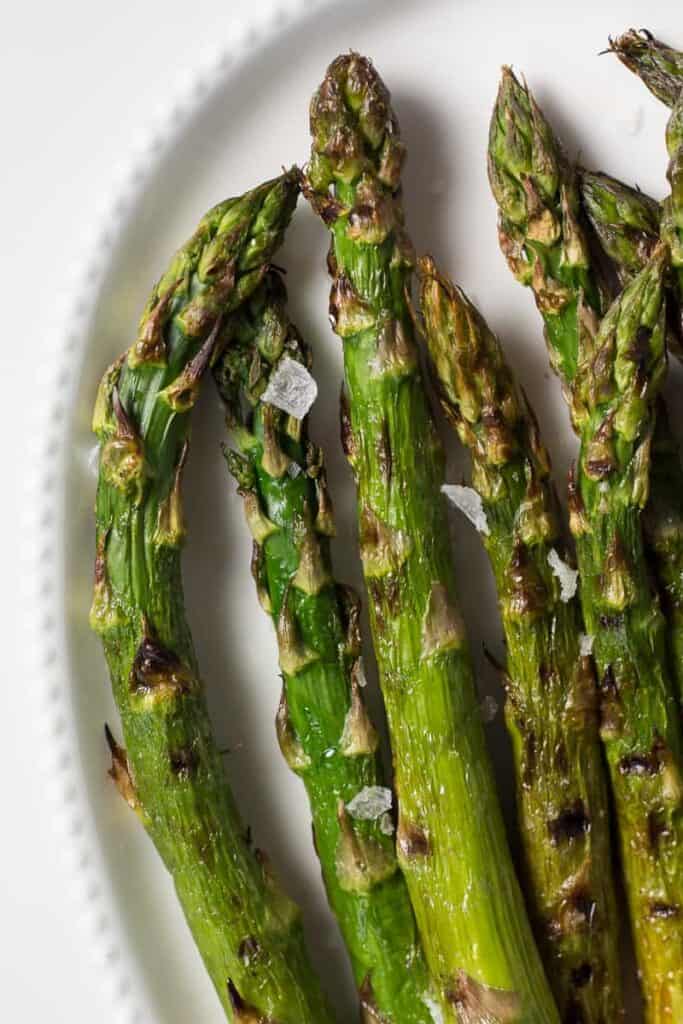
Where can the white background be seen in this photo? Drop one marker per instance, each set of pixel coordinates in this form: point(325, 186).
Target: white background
point(79, 84)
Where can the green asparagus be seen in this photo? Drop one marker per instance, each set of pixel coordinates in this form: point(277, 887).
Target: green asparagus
point(624, 219)
point(626, 223)
point(659, 66)
point(661, 69)
point(551, 707)
point(246, 929)
point(672, 207)
point(451, 841)
point(544, 242)
point(539, 229)
point(614, 409)
point(663, 529)
point(323, 727)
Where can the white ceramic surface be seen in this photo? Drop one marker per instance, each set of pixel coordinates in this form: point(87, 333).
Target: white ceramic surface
point(237, 121)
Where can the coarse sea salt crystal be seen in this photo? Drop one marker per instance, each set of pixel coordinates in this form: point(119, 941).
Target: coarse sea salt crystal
point(434, 1008)
point(469, 503)
point(586, 644)
point(567, 576)
point(371, 802)
point(294, 469)
point(489, 709)
point(291, 388)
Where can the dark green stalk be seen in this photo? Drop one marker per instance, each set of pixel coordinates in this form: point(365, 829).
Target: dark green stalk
point(614, 409)
point(324, 730)
point(451, 841)
point(551, 707)
point(525, 155)
point(246, 929)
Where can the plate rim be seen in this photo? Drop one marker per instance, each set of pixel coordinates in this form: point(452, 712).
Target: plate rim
point(44, 596)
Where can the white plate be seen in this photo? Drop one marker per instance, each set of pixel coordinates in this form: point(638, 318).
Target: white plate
point(237, 122)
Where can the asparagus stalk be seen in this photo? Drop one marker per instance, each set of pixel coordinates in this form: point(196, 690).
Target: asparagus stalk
point(672, 207)
point(539, 228)
point(451, 841)
point(537, 208)
point(324, 730)
point(661, 69)
point(659, 66)
point(614, 408)
point(626, 222)
point(246, 929)
point(551, 708)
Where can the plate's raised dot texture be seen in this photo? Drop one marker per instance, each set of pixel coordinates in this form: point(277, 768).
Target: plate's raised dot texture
point(42, 582)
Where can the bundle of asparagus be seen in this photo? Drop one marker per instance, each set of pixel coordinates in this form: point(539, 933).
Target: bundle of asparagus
point(221, 304)
point(610, 376)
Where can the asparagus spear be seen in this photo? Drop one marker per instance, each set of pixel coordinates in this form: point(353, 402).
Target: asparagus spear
point(551, 707)
point(614, 397)
point(661, 69)
point(672, 207)
point(451, 841)
point(539, 227)
point(659, 66)
point(537, 208)
point(246, 929)
point(626, 222)
point(324, 730)
point(663, 529)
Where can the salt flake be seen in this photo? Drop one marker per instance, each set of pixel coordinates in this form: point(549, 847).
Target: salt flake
point(489, 709)
point(386, 825)
point(361, 677)
point(294, 470)
point(371, 802)
point(434, 1008)
point(567, 576)
point(586, 644)
point(291, 388)
point(469, 503)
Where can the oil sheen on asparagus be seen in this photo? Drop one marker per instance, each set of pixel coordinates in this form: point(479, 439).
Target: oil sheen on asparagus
point(324, 730)
point(246, 929)
point(552, 706)
point(543, 240)
point(451, 841)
